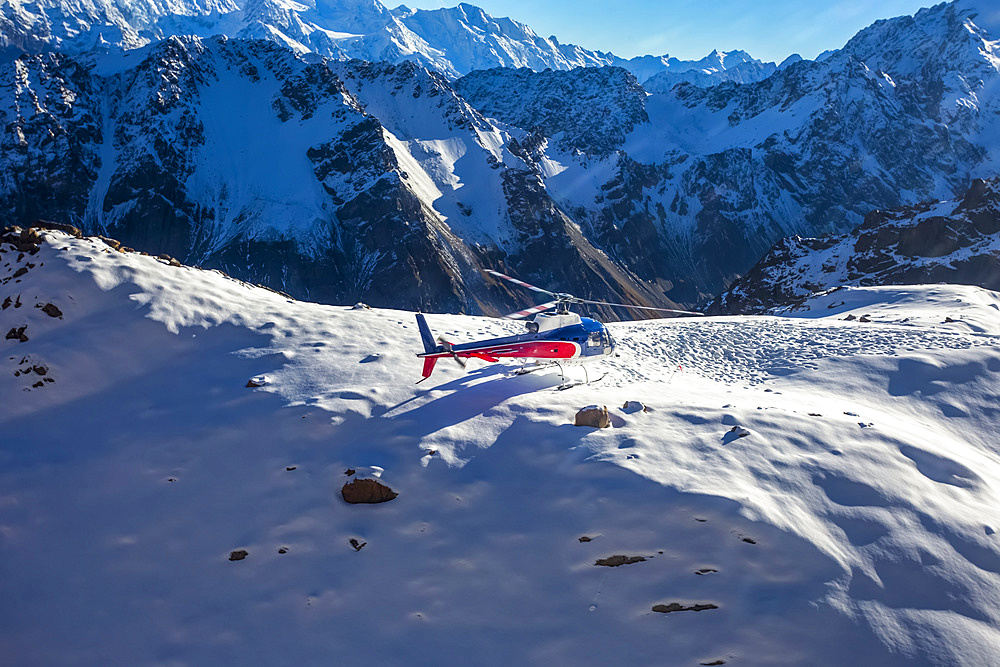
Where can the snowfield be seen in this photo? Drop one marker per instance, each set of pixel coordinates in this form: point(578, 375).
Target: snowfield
point(823, 489)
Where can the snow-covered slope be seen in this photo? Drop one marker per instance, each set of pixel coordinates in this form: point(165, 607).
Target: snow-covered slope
point(954, 241)
point(855, 520)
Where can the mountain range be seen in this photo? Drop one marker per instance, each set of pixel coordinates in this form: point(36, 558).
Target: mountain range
point(278, 156)
point(452, 40)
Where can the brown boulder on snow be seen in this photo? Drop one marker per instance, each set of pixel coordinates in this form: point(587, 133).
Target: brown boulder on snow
point(367, 491)
point(593, 416)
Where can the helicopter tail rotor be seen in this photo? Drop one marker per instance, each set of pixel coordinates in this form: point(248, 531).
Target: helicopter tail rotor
point(447, 348)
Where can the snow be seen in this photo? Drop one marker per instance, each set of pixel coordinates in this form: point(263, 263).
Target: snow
point(235, 174)
point(856, 520)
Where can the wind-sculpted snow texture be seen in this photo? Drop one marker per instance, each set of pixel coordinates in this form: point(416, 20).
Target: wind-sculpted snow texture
point(823, 490)
point(956, 241)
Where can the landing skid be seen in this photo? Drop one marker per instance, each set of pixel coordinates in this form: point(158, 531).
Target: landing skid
point(569, 384)
point(525, 369)
point(566, 383)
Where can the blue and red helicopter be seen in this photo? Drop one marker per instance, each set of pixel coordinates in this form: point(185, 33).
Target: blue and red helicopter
point(552, 338)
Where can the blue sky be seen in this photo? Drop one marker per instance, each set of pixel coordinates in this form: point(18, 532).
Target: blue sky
point(690, 29)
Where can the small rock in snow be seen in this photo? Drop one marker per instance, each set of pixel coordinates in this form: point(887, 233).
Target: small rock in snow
point(358, 546)
point(361, 306)
point(18, 334)
point(634, 406)
point(593, 416)
point(586, 539)
point(239, 554)
point(615, 561)
point(257, 381)
point(675, 606)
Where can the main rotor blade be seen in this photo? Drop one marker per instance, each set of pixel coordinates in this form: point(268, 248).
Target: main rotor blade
point(531, 311)
point(520, 282)
point(625, 305)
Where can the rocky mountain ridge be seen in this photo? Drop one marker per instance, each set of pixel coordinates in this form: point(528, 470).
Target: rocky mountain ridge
point(954, 241)
point(693, 185)
point(326, 175)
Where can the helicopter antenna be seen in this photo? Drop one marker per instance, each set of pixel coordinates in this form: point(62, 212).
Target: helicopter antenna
point(563, 300)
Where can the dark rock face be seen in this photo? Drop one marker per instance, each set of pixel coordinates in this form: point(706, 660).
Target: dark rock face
point(594, 108)
point(953, 241)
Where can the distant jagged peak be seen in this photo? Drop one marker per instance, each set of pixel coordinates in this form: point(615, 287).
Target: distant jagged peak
point(790, 60)
point(717, 67)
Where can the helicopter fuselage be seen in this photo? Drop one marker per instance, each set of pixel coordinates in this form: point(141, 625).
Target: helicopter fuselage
point(563, 337)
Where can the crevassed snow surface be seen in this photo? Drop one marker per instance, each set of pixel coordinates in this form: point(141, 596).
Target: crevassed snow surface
point(856, 520)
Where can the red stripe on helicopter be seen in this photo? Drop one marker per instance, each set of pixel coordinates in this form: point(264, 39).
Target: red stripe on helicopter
point(540, 349)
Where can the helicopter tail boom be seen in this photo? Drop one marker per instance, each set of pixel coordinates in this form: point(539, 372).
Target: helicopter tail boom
point(430, 345)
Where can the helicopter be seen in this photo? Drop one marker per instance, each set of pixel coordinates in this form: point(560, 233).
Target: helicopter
point(552, 337)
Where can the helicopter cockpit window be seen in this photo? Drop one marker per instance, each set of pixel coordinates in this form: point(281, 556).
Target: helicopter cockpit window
point(595, 339)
